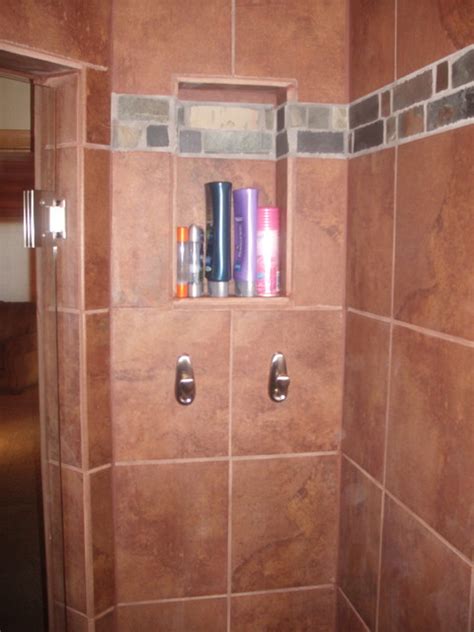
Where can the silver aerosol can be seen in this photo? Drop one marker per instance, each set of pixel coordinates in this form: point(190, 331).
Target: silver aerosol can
point(196, 261)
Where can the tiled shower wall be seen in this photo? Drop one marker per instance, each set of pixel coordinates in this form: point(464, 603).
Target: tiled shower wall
point(405, 559)
point(226, 512)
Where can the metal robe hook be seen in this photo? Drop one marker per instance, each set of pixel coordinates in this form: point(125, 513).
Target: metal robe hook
point(185, 386)
point(279, 379)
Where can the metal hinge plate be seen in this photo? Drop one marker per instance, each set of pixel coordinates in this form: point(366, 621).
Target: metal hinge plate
point(43, 214)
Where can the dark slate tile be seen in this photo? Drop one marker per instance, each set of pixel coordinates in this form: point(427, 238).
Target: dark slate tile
point(368, 136)
point(413, 91)
point(142, 108)
point(442, 71)
point(282, 147)
point(320, 142)
point(391, 129)
point(157, 136)
point(411, 121)
point(450, 109)
point(385, 103)
point(190, 141)
point(281, 118)
point(463, 69)
point(233, 142)
point(364, 112)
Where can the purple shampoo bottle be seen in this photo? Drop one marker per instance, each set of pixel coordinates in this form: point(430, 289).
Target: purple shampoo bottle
point(245, 241)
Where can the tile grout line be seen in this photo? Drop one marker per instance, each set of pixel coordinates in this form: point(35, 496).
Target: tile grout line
point(409, 511)
point(217, 459)
point(390, 349)
point(432, 333)
point(230, 473)
point(353, 608)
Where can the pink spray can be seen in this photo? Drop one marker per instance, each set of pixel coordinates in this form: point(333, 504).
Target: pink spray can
point(268, 255)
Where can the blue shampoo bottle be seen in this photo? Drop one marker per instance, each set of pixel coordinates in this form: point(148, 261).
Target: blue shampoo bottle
point(218, 257)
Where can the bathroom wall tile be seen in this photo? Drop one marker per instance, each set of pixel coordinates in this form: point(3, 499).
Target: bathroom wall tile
point(97, 218)
point(53, 505)
point(463, 69)
point(414, 90)
point(69, 372)
point(314, 32)
point(169, 38)
point(141, 229)
point(430, 429)
point(442, 76)
point(364, 111)
point(304, 610)
point(370, 232)
point(319, 230)
point(427, 31)
point(411, 122)
point(193, 173)
point(284, 198)
point(347, 620)
point(359, 539)
point(424, 585)
point(66, 91)
point(372, 45)
point(76, 622)
point(450, 109)
point(284, 522)
point(69, 259)
point(74, 545)
point(319, 142)
point(102, 539)
point(435, 231)
point(365, 392)
point(309, 420)
point(98, 106)
point(106, 623)
point(98, 389)
point(206, 615)
point(146, 345)
point(176, 547)
point(368, 136)
point(74, 29)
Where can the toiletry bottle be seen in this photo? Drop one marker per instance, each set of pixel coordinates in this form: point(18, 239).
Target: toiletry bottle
point(245, 240)
point(268, 256)
point(218, 262)
point(196, 261)
point(182, 268)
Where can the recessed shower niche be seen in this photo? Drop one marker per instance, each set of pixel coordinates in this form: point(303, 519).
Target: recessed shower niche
point(232, 130)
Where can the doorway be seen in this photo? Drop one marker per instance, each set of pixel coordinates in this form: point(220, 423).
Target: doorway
point(32, 577)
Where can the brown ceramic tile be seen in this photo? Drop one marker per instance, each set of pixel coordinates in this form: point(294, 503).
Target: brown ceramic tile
point(166, 39)
point(314, 32)
point(309, 419)
point(98, 389)
point(98, 107)
point(411, 122)
point(435, 231)
point(66, 90)
point(318, 231)
point(424, 586)
point(69, 388)
point(429, 460)
point(102, 539)
point(371, 45)
point(347, 620)
point(193, 173)
point(359, 538)
point(75, 29)
point(146, 345)
point(300, 611)
point(106, 623)
point(428, 31)
point(74, 546)
point(176, 547)
point(283, 198)
point(370, 232)
point(284, 522)
point(365, 392)
point(76, 622)
point(55, 560)
point(141, 229)
point(207, 615)
point(96, 228)
point(69, 255)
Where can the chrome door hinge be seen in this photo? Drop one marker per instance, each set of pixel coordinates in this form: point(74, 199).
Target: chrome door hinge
point(43, 214)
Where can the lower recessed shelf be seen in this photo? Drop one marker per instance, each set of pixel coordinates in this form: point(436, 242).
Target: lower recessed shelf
point(209, 302)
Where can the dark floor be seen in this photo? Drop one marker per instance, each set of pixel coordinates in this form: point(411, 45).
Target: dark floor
point(22, 598)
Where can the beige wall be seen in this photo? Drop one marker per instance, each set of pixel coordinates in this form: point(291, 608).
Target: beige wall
point(14, 104)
